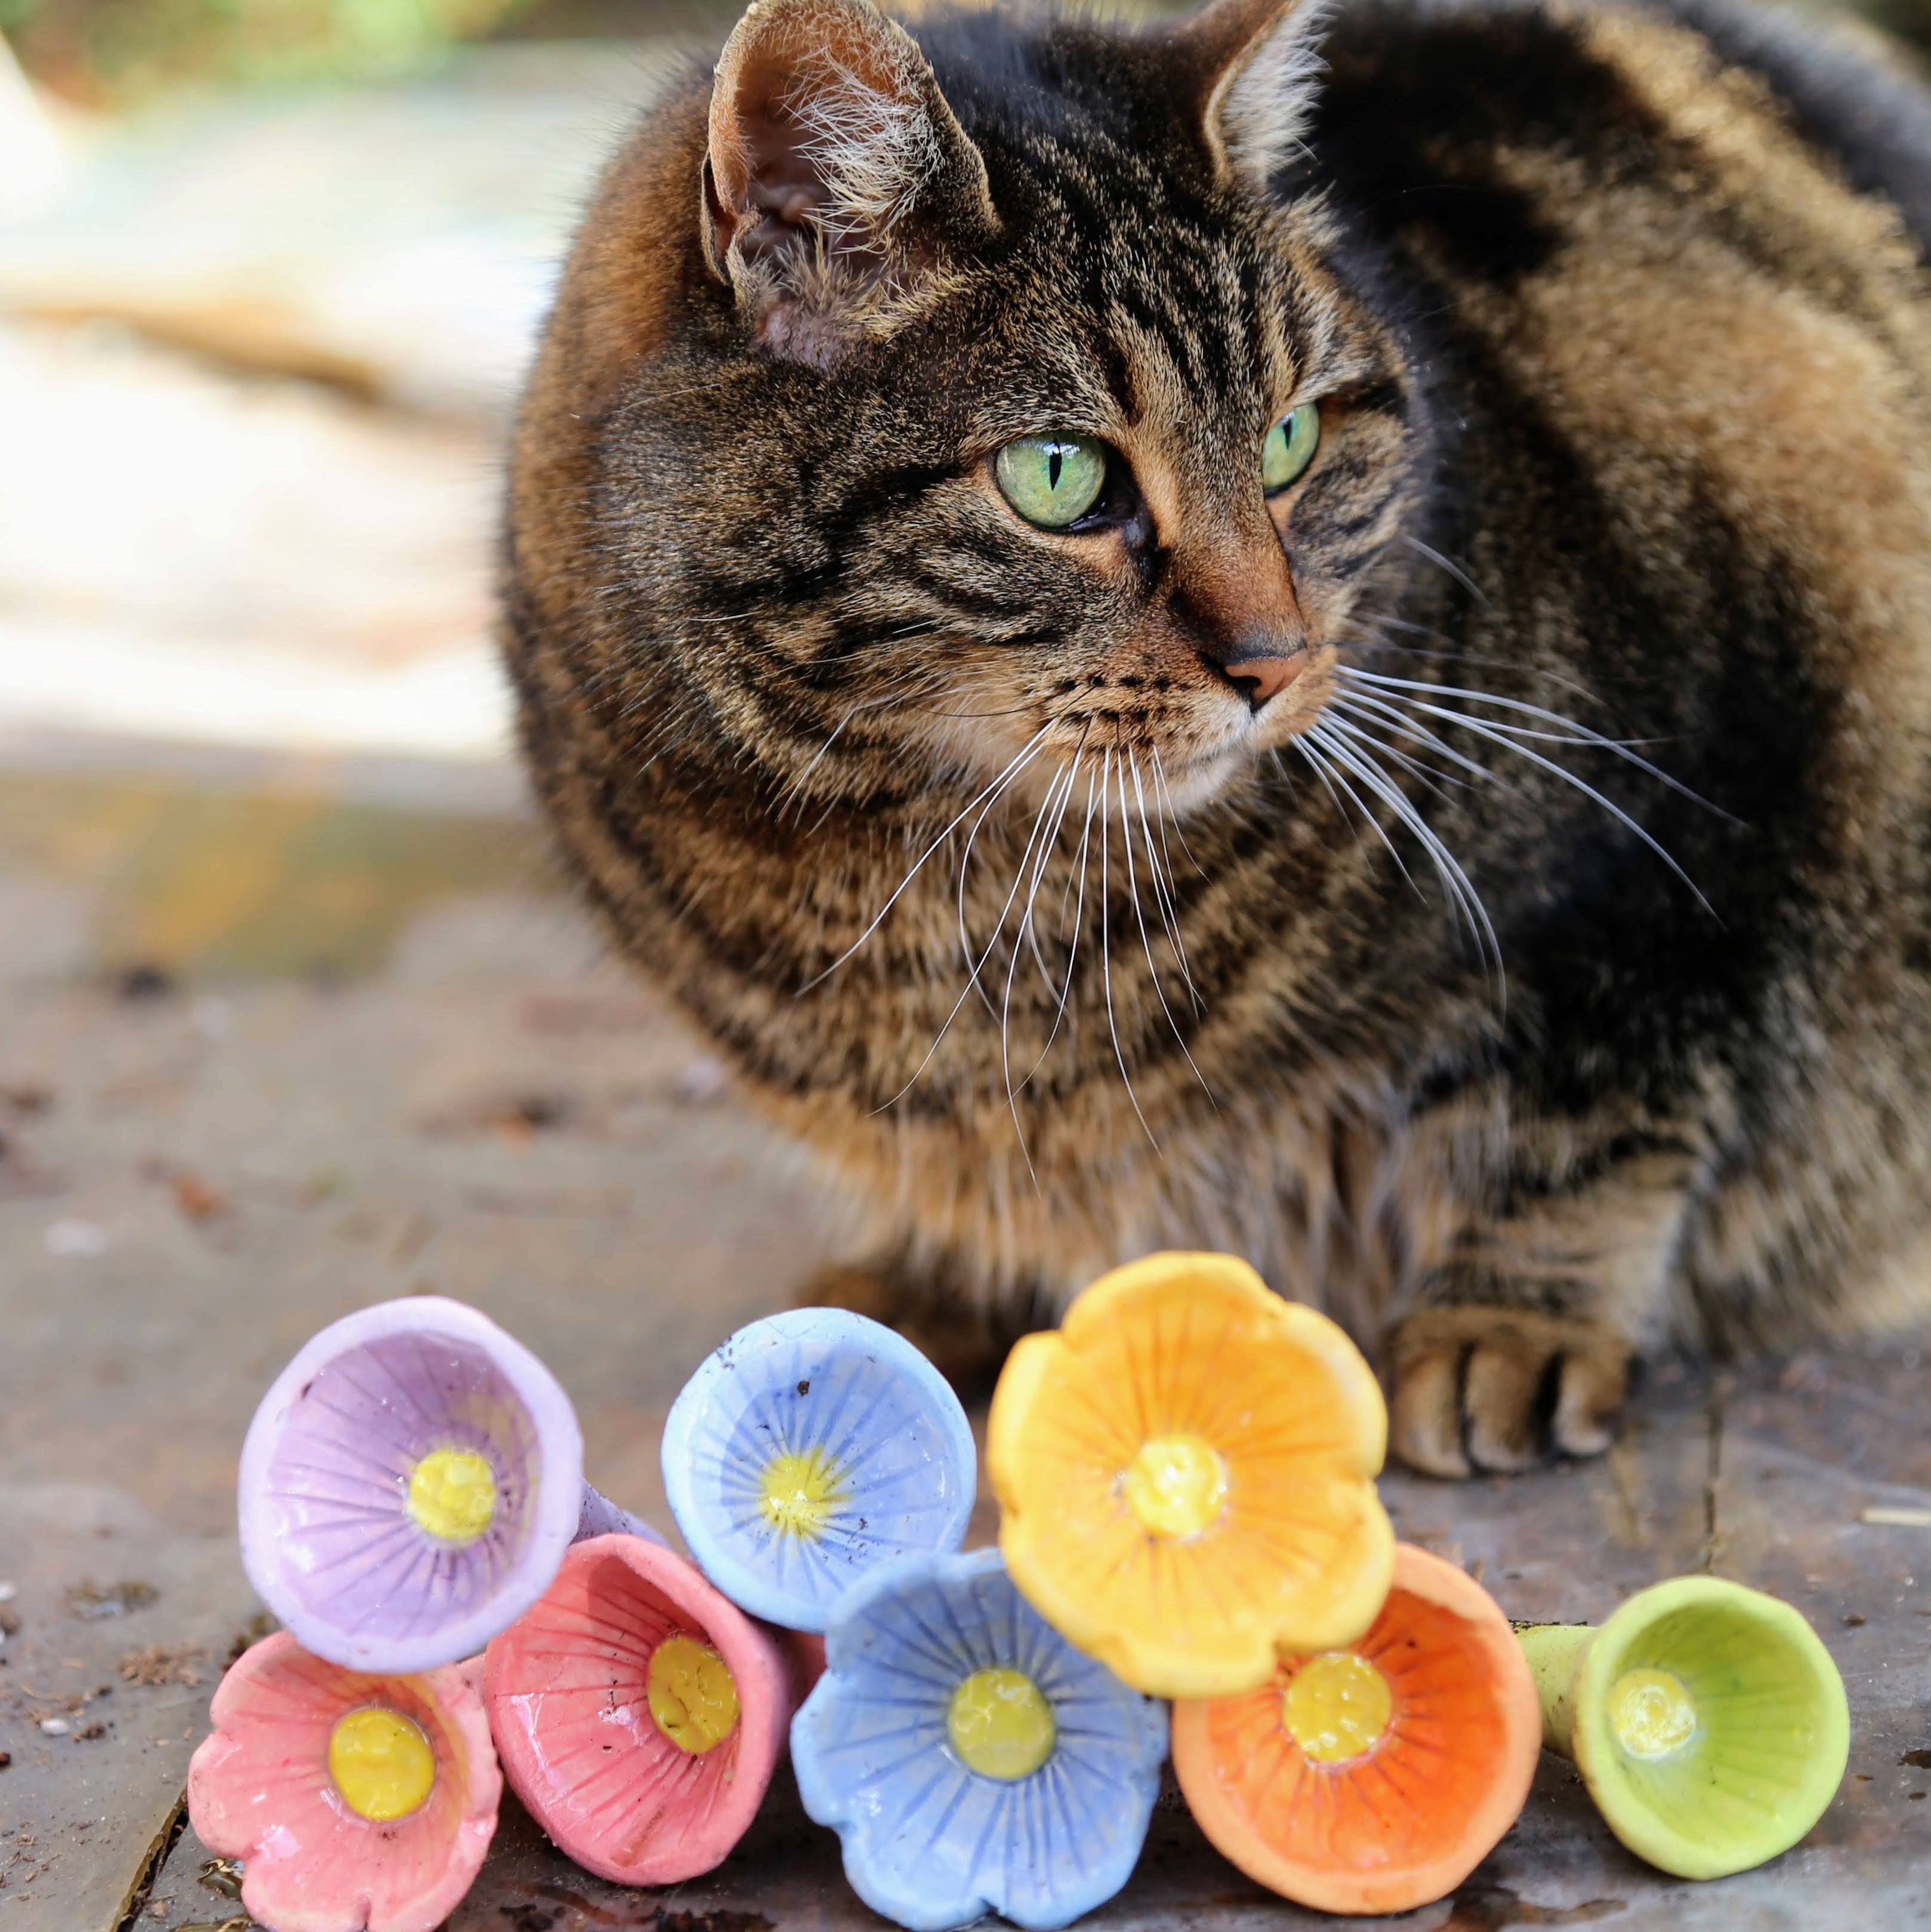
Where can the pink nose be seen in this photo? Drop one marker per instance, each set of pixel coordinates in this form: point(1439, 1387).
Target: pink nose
point(1262, 678)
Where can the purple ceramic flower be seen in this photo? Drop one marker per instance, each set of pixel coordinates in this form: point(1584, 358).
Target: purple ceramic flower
point(409, 1485)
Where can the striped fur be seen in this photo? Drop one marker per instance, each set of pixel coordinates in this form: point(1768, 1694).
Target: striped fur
point(1541, 977)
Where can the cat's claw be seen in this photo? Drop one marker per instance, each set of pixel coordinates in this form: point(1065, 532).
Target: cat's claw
point(1498, 1390)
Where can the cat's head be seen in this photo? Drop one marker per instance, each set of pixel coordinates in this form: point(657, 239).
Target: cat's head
point(980, 393)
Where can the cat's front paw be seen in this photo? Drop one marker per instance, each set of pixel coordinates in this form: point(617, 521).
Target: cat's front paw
point(1479, 1389)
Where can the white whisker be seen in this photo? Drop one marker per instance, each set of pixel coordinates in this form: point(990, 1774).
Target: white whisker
point(1023, 758)
point(1105, 954)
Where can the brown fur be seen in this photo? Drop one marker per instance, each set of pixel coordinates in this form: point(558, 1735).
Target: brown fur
point(1627, 412)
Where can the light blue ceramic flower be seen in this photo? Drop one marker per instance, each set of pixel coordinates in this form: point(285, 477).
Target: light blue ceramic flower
point(812, 1447)
point(970, 1758)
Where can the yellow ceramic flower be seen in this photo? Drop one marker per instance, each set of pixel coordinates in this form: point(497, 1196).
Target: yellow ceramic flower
point(1186, 1475)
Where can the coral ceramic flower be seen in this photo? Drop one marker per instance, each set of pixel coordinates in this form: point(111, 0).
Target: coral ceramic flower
point(353, 1800)
point(812, 1447)
point(409, 1484)
point(970, 1759)
point(1707, 1720)
point(1375, 1778)
point(640, 1713)
point(1186, 1471)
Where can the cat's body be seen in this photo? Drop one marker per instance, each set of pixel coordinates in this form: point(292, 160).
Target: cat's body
point(1624, 365)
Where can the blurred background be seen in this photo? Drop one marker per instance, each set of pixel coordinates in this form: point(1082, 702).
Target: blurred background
point(293, 1015)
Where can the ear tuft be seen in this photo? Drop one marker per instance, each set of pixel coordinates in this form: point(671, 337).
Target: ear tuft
point(1256, 67)
point(837, 177)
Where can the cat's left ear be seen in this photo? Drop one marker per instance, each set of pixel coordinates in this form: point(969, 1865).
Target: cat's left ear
point(837, 180)
point(1253, 67)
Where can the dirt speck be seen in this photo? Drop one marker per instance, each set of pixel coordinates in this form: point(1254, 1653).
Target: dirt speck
point(94, 1602)
point(158, 1664)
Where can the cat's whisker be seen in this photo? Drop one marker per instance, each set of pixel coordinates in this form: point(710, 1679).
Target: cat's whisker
point(1489, 730)
point(1048, 846)
point(1146, 944)
point(1018, 764)
point(1079, 919)
point(973, 970)
point(1454, 569)
point(1029, 926)
point(1106, 955)
point(1166, 790)
point(1355, 749)
point(1619, 748)
point(1373, 710)
point(1358, 725)
point(1338, 770)
point(793, 793)
point(1162, 895)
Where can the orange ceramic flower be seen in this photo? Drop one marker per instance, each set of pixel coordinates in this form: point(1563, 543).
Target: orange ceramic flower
point(1373, 1778)
point(356, 1803)
point(1186, 1474)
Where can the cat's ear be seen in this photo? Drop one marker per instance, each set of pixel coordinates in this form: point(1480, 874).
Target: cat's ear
point(1253, 67)
point(837, 180)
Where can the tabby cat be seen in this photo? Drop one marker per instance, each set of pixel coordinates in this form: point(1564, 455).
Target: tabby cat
point(1306, 636)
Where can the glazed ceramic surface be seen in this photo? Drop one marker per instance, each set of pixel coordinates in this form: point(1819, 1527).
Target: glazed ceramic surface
point(588, 1718)
point(1185, 1474)
point(812, 1448)
point(327, 1535)
point(1708, 1721)
point(1373, 1779)
point(881, 1755)
point(260, 1789)
point(347, 1534)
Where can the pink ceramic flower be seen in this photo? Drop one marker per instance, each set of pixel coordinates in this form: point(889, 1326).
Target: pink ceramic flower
point(355, 1803)
point(640, 1713)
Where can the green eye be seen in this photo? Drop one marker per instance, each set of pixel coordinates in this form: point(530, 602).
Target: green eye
point(1290, 447)
point(1052, 481)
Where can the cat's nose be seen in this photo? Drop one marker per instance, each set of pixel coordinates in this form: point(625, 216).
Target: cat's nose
point(1264, 665)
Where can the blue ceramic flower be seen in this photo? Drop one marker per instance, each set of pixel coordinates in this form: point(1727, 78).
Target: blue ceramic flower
point(970, 1758)
point(810, 1448)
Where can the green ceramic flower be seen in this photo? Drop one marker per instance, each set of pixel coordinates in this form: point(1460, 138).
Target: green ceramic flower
point(1707, 1720)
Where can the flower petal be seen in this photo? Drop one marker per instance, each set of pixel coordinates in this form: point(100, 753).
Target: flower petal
point(1194, 1346)
point(327, 1537)
point(870, 1414)
point(567, 1690)
point(260, 1790)
point(927, 1841)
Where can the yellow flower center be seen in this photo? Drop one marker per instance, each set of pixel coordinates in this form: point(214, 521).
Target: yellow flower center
point(382, 1764)
point(1337, 1706)
point(1651, 1713)
point(801, 1492)
point(452, 1494)
point(691, 1695)
point(1176, 1486)
point(1000, 1725)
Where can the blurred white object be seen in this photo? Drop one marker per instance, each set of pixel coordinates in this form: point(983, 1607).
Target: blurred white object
point(401, 240)
point(77, 1241)
point(33, 165)
point(187, 554)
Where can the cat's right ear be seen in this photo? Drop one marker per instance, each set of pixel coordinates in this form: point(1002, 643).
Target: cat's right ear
point(1252, 67)
point(836, 180)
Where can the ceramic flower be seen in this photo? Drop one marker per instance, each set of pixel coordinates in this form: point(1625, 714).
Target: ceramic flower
point(1707, 1720)
point(970, 1759)
point(810, 1448)
point(1374, 1777)
point(639, 1713)
point(1186, 1474)
point(353, 1800)
point(408, 1485)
